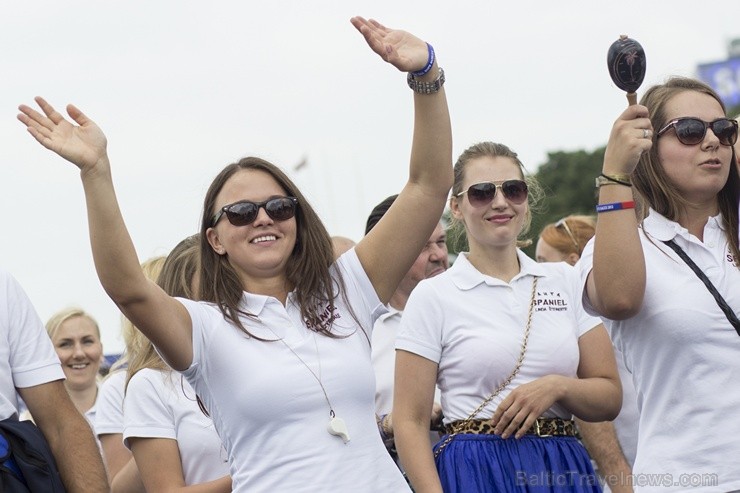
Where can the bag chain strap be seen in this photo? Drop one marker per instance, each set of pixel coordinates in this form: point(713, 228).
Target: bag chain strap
point(504, 384)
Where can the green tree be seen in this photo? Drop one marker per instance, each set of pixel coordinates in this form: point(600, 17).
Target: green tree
point(568, 181)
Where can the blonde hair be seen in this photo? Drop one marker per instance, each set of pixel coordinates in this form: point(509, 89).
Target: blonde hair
point(56, 320)
point(494, 149)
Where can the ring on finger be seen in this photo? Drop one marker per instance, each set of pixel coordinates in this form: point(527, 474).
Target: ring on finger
point(645, 133)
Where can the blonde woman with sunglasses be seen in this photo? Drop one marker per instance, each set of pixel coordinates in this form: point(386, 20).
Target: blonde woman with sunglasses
point(509, 345)
point(278, 350)
point(673, 155)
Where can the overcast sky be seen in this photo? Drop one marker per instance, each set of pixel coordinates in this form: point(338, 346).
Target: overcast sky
point(182, 88)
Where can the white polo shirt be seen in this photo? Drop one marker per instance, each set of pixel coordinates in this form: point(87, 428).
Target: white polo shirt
point(269, 409)
point(161, 404)
point(384, 358)
point(27, 356)
point(109, 418)
point(472, 326)
point(385, 331)
point(684, 357)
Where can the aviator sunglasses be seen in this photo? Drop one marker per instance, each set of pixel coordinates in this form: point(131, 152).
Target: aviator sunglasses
point(245, 212)
point(691, 131)
point(480, 194)
point(564, 224)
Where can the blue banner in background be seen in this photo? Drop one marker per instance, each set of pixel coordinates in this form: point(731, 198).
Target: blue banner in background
point(724, 77)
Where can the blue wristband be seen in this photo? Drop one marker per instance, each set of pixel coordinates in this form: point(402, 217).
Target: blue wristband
point(428, 66)
point(615, 206)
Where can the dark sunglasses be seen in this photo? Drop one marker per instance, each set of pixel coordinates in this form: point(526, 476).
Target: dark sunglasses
point(691, 131)
point(245, 212)
point(480, 194)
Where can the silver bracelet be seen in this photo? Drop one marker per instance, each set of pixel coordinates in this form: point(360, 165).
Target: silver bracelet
point(426, 87)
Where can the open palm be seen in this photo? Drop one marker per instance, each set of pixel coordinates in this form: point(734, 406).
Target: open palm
point(83, 144)
point(401, 49)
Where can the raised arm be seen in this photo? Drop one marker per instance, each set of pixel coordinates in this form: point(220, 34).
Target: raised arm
point(389, 250)
point(616, 284)
point(160, 317)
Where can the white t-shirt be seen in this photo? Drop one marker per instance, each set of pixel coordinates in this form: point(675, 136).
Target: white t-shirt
point(161, 404)
point(384, 358)
point(685, 360)
point(27, 356)
point(109, 417)
point(90, 416)
point(268, 407)
point(472, 326)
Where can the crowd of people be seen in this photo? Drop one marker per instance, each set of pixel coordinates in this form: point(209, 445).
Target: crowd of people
point(263, 354)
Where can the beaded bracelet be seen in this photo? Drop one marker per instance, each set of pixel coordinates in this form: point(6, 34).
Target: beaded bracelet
point(615, 206)
point(428, 66)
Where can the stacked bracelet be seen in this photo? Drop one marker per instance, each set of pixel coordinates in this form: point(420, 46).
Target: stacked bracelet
point(603, 180)
point(428, 66)
point(426, 87)
point(615, 206)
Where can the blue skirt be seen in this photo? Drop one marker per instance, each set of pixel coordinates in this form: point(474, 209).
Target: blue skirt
point(487, 463)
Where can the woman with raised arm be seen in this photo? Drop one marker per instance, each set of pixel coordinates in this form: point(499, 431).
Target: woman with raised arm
point(173, 440)
point(510, 347)
point(278, 350)
point(673, 156)
point(611, 444)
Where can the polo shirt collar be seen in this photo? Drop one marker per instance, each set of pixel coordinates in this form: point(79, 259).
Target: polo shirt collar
point(256, 303)
point(392, 312)
point(465, 276)
point(663, 229)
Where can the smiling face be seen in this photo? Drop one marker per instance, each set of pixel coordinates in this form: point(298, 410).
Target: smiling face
point(498, 223)
point(261, 249)
point(697, 171)
point(77, 343)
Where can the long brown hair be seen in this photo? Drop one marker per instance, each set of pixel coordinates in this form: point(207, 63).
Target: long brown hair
point(307, 269)
point(652, 186)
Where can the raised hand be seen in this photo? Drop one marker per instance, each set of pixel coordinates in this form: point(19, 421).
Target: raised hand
point(83, 144)
point(631, 136)
point(403, 50)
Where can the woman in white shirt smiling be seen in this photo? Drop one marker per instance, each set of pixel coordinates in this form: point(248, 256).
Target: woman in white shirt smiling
point(278, 350)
